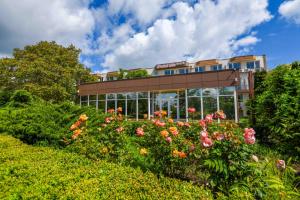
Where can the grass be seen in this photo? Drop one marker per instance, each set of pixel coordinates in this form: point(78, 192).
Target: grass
point(28, 172)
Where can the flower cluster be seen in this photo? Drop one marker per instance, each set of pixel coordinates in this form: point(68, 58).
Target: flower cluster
point(76, 126)
point(249, 136)
point(160, 113)
point(179, 154)
point(140, 132)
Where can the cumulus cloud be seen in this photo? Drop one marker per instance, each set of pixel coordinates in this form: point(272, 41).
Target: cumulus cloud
point(291, 10)
point(30, 21)
point(207, 29)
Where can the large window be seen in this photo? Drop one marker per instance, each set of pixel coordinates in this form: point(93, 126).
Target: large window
point(234, 65)
point(93, 100)
point(209, 100)
point(101, 102)
point(183, 71)
point(143, 105)
point(227, 105)
point(111, 100)
point(250, 65)
point(194, 101)
point(199, 69)
point(169, 72)
point(216, 67)
point(131, 105)
point(84, 100)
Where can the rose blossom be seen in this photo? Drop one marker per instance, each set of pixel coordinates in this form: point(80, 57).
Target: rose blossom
point(107, 120)
point(202, 123)
point(249, 136)
point(209, 118)
point(140, 132)
point(207, 142)
point(280, 164)
point(218, 136)
point(169, 139)
point(180, 124)
point(187, 124)
point(191, 110)
point(203, 134)
point(120, 129)
point(164, 133)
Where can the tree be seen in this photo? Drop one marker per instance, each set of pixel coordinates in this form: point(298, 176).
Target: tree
point(277, 108)
point(138, 73)
point(45, 69)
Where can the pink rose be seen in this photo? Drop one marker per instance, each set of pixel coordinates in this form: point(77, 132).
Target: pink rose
point(187, 124)
point(249, 136)
point(207, 142)
point(191, 110)
point(280, 164)
point(202, 123)
point(203, 134)
point(139, 132)
point(119, 129)
point(209, 118)
point(169, 139)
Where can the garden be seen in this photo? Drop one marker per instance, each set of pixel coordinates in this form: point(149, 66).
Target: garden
point(51, 148)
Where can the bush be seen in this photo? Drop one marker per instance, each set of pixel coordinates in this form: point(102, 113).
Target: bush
point(277, 111)
point(28, 172)
point(21, 98)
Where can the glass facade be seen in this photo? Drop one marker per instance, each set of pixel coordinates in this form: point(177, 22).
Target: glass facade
point(140, 105)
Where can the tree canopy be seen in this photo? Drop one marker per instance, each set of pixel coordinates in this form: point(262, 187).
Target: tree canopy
point(46, 69)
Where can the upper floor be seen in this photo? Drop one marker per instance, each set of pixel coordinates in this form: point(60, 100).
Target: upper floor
point(249, 63)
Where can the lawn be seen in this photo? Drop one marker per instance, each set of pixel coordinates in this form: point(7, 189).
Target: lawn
point(29, 172)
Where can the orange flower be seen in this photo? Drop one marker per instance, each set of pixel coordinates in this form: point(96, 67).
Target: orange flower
point(171, 121)
point(119, 109)
point(180, 124)
point(173, 130)
point(76, 133)
point(164, 133)
point(182, 154)
point(83, 118)
point(73, 127)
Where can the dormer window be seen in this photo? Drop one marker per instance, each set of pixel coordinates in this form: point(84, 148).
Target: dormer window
point(183, 71)
point(169, 72)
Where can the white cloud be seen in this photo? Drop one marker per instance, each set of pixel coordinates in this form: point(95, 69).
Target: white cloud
point(30, 21)
point(291, 10)
point(208, 29)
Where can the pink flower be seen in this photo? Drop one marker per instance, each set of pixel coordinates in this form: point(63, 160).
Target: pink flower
point(139, 132)
point(191, 110)
point(203, 134)
point(249, 136)
point(207, 142)
point(209, 118)
point(280, 164)
point(169, 139)
point(107, 120)
point(180, 124)
point(202, 123)
point(218, 136)
point(192, 148)
point(187, 124)
point(159, 123)
point(120, 129)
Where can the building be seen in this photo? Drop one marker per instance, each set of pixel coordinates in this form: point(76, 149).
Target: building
point(206, 85)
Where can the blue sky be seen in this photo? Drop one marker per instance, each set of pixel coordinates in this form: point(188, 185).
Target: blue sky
point(142, 33)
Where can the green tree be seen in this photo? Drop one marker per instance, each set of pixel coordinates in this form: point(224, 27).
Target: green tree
point(46, 69)
point(277, 110)
point(138, 73)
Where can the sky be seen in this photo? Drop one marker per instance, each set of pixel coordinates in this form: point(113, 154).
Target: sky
point(115, 34)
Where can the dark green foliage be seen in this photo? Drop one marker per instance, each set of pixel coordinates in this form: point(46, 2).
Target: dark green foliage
point(131, 74)
point(47, 70)
point(20, 98)
point(4, 97)
point(276, 109)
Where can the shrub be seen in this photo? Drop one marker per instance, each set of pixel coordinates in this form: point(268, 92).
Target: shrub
point(276, 109)
point(21, 98)
point(28, 172)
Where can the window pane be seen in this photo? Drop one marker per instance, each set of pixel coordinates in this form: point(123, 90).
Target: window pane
point(209, 105)
point(111, 96)
point(121, 96)
point(101, 106)
point(227, 105)
point(131, 109)
point(101, 96)
point(110, 104)
point(84, 103)
point(84, 98)
point(250, 65)
point(143, 108)
point(93, 97)
point(199, 69)
point(182, 108)
point(257, 64)
point(93, 104)
point(195, 102)
point(121, 103)
point(143, 95)
point(194, 92)
point(210, 92)
point(226, 91)
point(131, 95)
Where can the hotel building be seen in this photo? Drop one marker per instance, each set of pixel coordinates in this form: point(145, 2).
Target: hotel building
point(206, 85)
